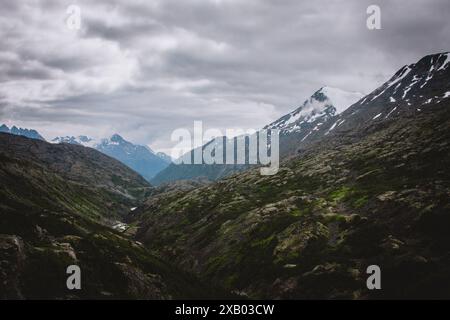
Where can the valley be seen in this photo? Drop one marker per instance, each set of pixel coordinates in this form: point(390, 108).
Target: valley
point(57, 204)
point(362, 181)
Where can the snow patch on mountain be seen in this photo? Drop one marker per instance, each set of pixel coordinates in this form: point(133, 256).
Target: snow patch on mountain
point(446, 61)
point(377, 116)
point(79, 140)
point(397, 78)
point(336, 124)
point(390, 112)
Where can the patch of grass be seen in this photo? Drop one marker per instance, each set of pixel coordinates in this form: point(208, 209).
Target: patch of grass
point(297, 213)
point(330, 218)
point(340, 194)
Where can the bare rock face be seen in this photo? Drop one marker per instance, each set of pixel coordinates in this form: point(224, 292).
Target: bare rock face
point(12, 259)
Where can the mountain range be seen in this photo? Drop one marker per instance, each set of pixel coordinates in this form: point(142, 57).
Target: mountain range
point(30, 133)
point(141, 159)
point(158, 167)
point(324, 113)
point(361, 183)
point(295, 127)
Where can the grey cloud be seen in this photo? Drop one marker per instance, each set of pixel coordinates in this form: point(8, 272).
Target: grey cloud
point(146, 68)
point(123, 33)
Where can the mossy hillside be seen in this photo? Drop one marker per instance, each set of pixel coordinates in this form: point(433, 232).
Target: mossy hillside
point(327, 214)
point(50, 221)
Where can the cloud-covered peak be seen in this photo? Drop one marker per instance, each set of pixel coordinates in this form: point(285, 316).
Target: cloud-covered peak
point(341, 99)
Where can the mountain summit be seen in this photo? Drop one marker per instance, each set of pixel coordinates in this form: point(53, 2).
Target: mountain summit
point(322, 105)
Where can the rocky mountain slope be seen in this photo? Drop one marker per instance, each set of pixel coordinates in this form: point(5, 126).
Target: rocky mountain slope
point(139, 158)
point(371, 187)
point(57, 205)
point(83, 167)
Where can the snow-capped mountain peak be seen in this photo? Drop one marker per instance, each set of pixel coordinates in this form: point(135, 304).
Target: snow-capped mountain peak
point(323, 104)
point(79, 140)
point(117, 139)
point(29, 133)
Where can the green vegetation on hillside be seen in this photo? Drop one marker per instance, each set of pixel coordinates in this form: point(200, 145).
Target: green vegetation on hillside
point(311, 230)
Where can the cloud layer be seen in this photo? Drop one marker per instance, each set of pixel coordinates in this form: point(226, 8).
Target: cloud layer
point(145, 68)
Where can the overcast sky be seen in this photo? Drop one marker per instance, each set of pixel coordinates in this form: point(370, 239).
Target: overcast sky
point(143, 68)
